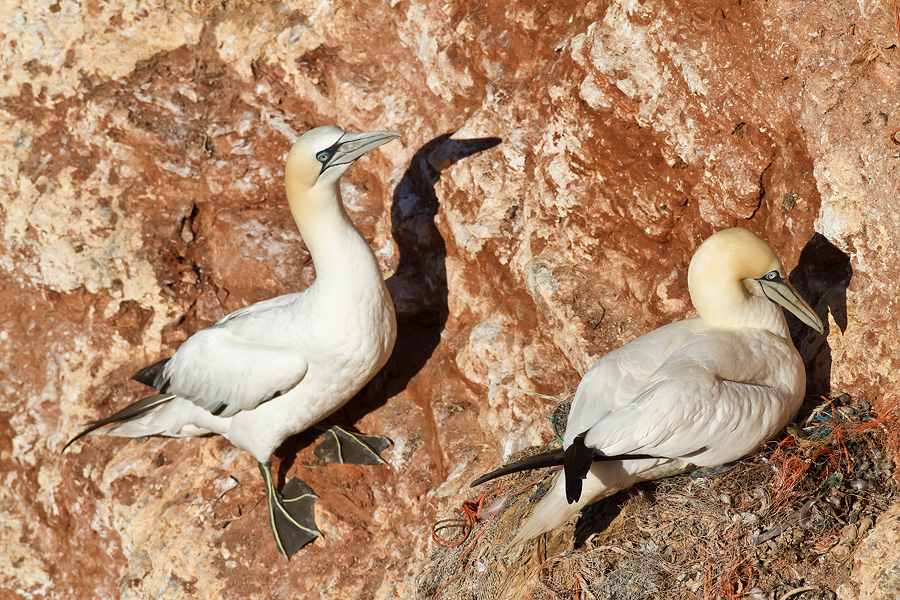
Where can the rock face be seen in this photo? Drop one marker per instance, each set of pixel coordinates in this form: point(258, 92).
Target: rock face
point(142, 199)
point(876, 567)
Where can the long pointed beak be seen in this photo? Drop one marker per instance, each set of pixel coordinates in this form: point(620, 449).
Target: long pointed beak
point(353, 145)
point(782, 292)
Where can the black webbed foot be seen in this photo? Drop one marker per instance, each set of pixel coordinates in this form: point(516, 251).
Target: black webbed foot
point(291, 513)
point(340, 446)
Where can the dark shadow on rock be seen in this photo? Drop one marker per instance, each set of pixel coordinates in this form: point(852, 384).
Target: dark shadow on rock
point(598, 516)
point(822, 275)
point(418, 286)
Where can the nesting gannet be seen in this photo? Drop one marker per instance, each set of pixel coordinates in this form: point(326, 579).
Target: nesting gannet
point(277, 367)
point(699, 392)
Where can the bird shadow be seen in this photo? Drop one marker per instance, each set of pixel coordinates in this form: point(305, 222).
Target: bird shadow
point(822, 275)
point(598, 516)
point(418, 287)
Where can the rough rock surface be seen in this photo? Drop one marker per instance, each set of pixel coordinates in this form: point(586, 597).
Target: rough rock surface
point(140, 182)
point(876, 566)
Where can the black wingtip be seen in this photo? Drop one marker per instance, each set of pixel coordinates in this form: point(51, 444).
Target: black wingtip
point(573, 490)
point(90, 428)
point(132, 411)
point(576, 459)
point(577, 463)
point(552, 458)
point(149, 375)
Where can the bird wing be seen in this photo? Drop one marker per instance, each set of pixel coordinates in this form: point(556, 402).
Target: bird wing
point(247, 358)
point(262, 307)
point(707, 403)
point(615, 381)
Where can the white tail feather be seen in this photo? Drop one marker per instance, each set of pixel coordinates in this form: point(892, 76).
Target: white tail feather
point(603, 480)
point(177, 418)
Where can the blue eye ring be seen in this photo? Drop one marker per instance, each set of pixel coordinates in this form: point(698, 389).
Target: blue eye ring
point(323, 156)
point(771, 275)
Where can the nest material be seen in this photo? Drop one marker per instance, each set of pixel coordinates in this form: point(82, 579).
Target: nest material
point(782, 523)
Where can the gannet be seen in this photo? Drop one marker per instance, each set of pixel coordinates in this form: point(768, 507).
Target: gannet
point(699, 392)
point(277, 367)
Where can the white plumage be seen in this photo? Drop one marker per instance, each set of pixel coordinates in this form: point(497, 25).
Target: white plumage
point(701, 392)
point(277, 367)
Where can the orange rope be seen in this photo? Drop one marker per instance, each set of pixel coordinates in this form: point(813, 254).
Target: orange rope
point(792, 463)
point(468, 519)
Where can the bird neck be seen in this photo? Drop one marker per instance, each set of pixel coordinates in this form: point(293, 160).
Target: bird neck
point(338, 251)
point(731, 306)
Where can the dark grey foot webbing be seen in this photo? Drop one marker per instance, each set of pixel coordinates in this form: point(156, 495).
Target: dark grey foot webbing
point(341, 446)
point(291, 513)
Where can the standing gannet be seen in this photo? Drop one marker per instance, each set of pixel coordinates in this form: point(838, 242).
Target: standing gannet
point(277, 367)
point(699, 392)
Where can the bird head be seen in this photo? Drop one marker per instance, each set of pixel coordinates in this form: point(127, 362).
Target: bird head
point(320, 156)
point(735, 269)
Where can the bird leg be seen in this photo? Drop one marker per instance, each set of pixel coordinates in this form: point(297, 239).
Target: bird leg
point(291, 513)
point(341, 446)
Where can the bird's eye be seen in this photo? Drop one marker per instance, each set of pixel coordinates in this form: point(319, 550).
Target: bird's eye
point(772, 276)
point(323, 157)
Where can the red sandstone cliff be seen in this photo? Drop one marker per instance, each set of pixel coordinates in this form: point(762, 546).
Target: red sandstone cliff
point(141, 191)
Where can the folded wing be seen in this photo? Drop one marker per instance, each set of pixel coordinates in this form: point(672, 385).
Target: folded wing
point(616, 380)
point(245, 359)
point(707, 403)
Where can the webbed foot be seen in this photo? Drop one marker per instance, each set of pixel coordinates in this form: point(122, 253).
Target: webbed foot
point(291, 513)
point(340, 446)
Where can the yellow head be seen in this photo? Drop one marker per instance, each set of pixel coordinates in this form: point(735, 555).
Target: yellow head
point(320, 156)
point(734, 270)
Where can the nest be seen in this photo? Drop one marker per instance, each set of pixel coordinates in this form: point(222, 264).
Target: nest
point(781, 524)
